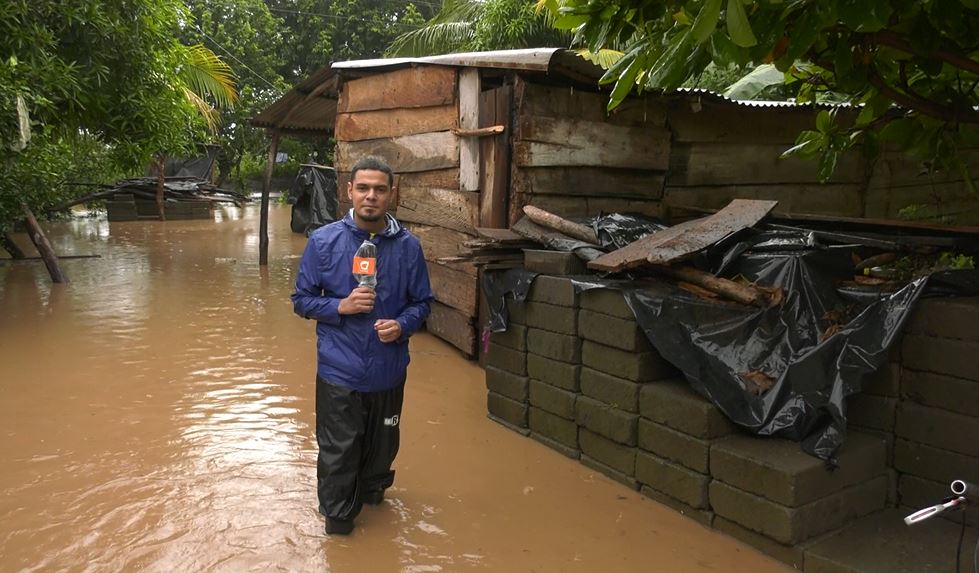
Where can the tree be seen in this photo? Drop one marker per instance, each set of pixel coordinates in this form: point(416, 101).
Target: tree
point(477, 25)
point(912, 64)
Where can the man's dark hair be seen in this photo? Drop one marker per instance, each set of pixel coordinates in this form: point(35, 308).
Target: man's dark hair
point(372, 163)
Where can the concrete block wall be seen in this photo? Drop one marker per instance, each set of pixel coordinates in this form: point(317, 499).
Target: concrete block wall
point(579, 376)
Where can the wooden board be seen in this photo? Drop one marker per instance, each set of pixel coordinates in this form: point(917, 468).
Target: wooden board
point(686, 239)
point(441, 178)
point(422, 86)
point(742, 164)
point(591, 181)
point(454, 287)
point(438, 242)
point(590, 206)
point(494, 109)
point(543, 141)
point(843, 199)
point(469, 119)
point(394, 122)
point(569, 102)
point(725, 123)
point(453, 327)
point(456, 210)
point(407, 153)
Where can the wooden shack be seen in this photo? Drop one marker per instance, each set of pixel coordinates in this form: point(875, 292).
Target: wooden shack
point(474, 137)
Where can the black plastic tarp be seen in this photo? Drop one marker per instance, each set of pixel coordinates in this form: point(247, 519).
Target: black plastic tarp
point(814, 349)
point(314, 198)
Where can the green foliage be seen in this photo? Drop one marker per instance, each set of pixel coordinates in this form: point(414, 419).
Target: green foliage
point(480, 25)
point(920, 56)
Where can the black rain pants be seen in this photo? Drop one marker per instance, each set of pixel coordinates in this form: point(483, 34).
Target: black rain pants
point(358, 435)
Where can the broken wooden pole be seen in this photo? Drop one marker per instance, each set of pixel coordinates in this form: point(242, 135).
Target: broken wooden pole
point(8, 244)
point(560, 224)
point(557, 241)
point(40, 241)
point(263, 226)
point(161, 186)
point(724, 287)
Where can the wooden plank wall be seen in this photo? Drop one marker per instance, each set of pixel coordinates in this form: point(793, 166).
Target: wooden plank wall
point(406, 117)
point(570, 158)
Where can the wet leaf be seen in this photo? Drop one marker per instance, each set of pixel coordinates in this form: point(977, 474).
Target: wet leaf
point(738, 26)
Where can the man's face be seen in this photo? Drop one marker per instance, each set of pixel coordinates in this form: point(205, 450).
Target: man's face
point(371, 194)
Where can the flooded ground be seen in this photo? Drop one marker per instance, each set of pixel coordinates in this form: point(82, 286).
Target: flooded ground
point(157, 414)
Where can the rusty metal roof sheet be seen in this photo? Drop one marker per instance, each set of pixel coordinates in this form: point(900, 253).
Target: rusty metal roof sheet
point(309, 107)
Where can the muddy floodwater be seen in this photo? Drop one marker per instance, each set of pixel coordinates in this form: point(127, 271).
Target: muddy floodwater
point(157, 415)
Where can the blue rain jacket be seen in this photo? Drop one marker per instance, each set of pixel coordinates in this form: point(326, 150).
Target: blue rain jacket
point(349, 351)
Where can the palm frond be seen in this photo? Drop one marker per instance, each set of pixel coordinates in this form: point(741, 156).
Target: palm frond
point(208, 76)
point(210, 114)
point(603, 57)
point(433, 39)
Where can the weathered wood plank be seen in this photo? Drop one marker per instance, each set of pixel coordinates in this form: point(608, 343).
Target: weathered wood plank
point(566, 206)
point(407, 153)
point(454, 287)
point(494, 109)
point(842, 199)
point(441, 178)
point(738, 164)
point(421, 86)
point(453, 327)
point(456, 210)
point(556, 101)
point(543, 141)
point(395, 122)
point(438, 242)
point(592, 182)
point(686, 239)
point(724, 123)
point(469, 119)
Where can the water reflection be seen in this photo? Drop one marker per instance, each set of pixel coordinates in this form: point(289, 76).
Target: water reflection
point(156, 414)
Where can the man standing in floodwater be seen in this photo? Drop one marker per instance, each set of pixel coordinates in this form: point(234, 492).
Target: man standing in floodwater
point(362, 343)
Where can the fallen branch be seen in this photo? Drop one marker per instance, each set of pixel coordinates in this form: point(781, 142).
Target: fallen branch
point(561, 225)
point(724, 287)
point(554, 240)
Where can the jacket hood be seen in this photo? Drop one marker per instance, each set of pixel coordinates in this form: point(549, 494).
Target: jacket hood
point(393, 229)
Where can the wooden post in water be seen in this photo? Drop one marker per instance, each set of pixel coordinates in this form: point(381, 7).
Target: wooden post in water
point(43, 246)
point(160, 189)
point(263, 226)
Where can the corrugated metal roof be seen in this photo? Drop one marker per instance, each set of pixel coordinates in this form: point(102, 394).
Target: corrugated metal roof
point(309, 107)
point(757, 103)
point(532, 59)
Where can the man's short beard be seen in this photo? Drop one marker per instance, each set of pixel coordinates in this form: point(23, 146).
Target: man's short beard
point(371, 218)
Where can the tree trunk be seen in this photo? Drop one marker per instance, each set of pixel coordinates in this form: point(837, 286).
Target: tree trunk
point(43, 246)
point(263, 226)
point(160, 189)
point(11, 247)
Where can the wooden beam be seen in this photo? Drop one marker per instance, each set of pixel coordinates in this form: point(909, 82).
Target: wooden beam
point(560, 224)
point(405, 154)
point(43, 246)
point(702, 164)
point(438, 242)
point(469, 119)
point(453, 327)
point(479, 132)
point(454, 285)
point(456, 210)
point(592, 182)
point(494, 111)
point(395, 122)
point(263, 225)
point(421, 86)
point(543, 142)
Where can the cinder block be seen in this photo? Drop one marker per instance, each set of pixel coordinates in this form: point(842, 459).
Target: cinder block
point(606, 301)
point(513, 361)
point(780, 471)
point(609, 422)
point(557, 446)
point(677, 447)
point(946, 318)
point(932, 463)
point(561, 347)
point(941, 355)
point(673, 403)
point(680, 483)
point(559, 374)
point(635, 366)
point(516, 311)
point(554, 427)
point(939, 428)
point(553, 290)
point(553, 399)
point(551, 317)
point(507, 410)
point(704, 517)
point(886, 381)
point(620, 333)
point(945, 392)
point(552, 262)
point(610, 472)
point(514, 337)
point(789, 525)
point(507, 384)
point(618, 457)
point(617, 392)
point(916, 493)
point(876, 412)
point(791, 555)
